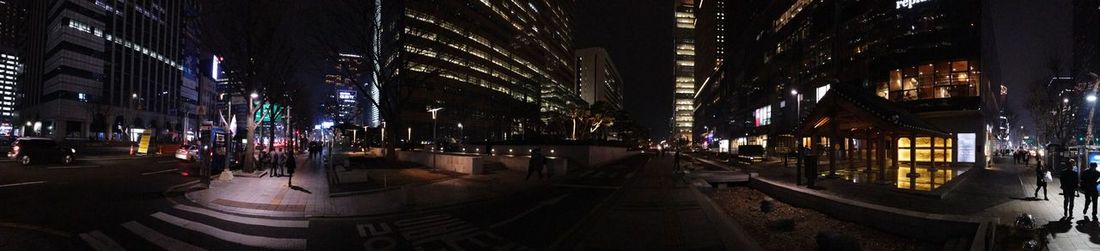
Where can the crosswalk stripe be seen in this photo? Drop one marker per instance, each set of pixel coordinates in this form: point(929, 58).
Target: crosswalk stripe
point(247, 240)
point(245, 220)
point(161, 240)
point(100, 241)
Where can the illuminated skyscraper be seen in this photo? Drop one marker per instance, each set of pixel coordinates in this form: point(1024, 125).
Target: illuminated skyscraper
point(683, 100)
point(494, 66)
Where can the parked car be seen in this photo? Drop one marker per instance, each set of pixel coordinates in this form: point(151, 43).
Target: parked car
point(34, 150)
point(187, 153)
point(750, 153)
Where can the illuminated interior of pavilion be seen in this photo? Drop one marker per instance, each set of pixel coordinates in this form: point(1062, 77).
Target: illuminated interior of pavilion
point(872, 140)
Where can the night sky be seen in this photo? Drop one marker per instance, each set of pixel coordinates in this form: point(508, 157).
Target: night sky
point(1029, 35)
point(638, 37)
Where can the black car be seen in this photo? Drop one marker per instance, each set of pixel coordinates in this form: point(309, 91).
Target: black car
point(34, 150)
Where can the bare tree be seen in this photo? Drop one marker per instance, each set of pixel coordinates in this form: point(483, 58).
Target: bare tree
point(252, 39)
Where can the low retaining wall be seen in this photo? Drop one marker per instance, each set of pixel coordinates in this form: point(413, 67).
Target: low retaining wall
point(584, 155)
point(925, 226)
point(560, 166)
point(464, 164)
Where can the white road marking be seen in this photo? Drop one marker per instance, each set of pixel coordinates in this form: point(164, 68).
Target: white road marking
point(243, 239)
point(161, 240)
point(100, 241)
point(161, 171)
point(245, 220)
point(71, 167)
point(22, 184)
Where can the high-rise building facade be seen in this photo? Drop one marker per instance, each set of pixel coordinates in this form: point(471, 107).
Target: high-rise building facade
point(12, 30)
point(597, 78)
point(345, 105)
point(491, 65)
point(108, 69)
point(922, 59)
point(684, 70)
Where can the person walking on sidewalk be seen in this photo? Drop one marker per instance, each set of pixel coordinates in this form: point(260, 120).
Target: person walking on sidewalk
point(291, 164)
point(277, 163)
point(676, 160)
point(1069, 180)
point(535, 164)
point(1040, 180)
point(1089, 180)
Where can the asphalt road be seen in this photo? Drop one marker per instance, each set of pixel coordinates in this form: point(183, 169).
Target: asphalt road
point(123, 204)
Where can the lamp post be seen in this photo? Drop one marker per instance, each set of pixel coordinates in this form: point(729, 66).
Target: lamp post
point(798, 141)
point(1091, 98)
point(433, 110)
point(461, 138)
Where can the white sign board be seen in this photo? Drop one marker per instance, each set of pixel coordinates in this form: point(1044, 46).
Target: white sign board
point(967, 147)
point(906, 4)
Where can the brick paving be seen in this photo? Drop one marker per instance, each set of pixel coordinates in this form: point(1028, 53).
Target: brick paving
point(409, 188)
point(1004, 190)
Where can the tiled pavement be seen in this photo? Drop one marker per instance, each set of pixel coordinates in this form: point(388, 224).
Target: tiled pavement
point(1004, 190)
point(659, 211)
point(270, 196)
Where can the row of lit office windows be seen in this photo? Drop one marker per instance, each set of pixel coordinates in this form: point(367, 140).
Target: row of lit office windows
point(77, 25)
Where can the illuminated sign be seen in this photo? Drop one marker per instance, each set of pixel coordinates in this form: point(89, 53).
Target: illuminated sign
point(820, 93)
point(967, 147)
point(346, 95)
point(763, 115)
point(906, 4)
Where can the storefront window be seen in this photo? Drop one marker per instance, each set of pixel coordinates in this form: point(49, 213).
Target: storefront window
point(944, 79)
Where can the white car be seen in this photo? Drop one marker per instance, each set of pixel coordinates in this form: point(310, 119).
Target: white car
point(187, 153)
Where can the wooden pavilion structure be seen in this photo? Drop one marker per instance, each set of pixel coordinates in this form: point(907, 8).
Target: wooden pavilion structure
point(851, 126)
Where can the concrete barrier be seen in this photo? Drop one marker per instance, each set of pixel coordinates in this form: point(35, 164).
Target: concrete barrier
point(583, 155)
point(560, 166)
point(925, 226)
point(459, 163)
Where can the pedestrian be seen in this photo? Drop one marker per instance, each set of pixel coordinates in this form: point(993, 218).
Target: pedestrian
point(291, 165)
point(1040, 180)
point(1069, 180)
point(276, 163)
point(536, 163)
point(676, 159)
point(1089, 180)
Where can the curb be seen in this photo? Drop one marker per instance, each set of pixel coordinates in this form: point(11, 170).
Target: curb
point(735, 238)
point(249, 212)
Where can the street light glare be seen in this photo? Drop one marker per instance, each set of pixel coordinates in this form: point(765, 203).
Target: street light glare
point(1091, 98)
point(254, 95)
point(1065, 100)
point(794, 92)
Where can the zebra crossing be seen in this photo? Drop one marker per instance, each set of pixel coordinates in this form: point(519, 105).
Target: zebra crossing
point(431, 232)
point(186, 227)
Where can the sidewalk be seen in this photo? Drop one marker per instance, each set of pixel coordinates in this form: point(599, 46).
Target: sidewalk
point(1004, 191)
point(658, 210)
point(410, 189)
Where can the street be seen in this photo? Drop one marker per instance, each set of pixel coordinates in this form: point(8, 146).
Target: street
point(137, 204)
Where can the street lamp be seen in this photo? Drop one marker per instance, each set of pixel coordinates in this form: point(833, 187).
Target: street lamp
point(1092, 110)
point(433, 111)
point(460, 135)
